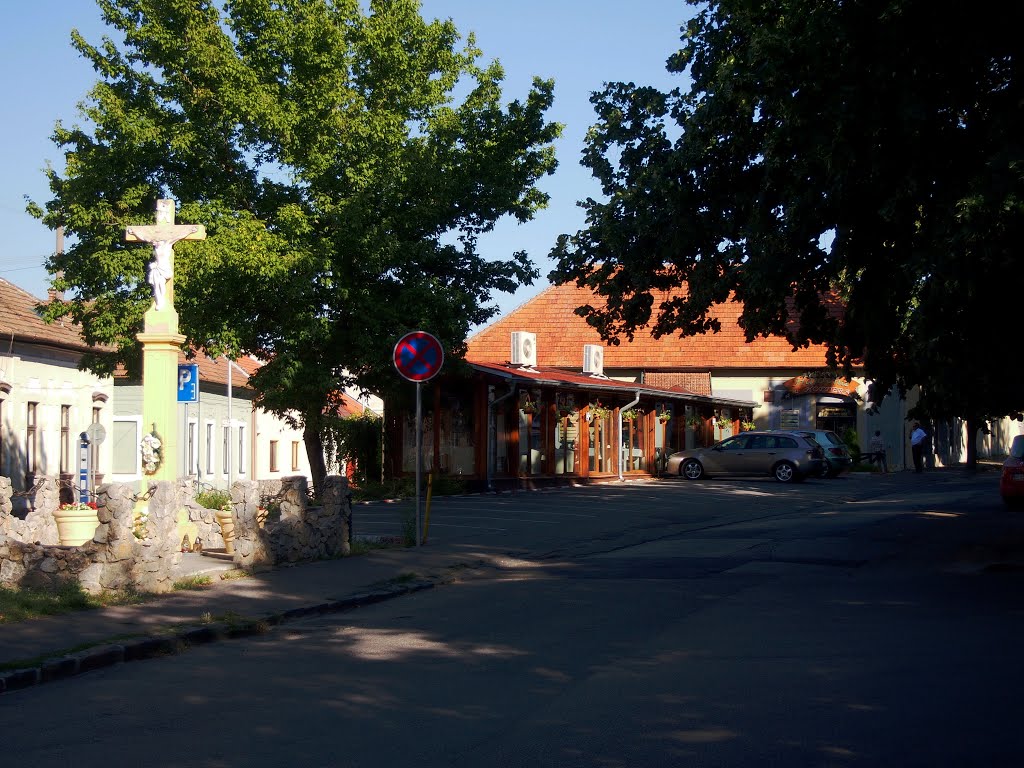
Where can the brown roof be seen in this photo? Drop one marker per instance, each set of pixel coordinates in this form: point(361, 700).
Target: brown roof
point(559, 377)
point(20, 321)
point(699, 382)
point(561, 335)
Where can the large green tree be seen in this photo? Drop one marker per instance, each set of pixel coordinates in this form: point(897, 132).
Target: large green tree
point(868, 154)
point(344, 159)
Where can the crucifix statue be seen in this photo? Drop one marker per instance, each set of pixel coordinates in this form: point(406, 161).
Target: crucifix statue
point(163, 236)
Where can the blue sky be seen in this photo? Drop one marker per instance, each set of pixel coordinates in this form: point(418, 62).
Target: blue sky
point(580, 43)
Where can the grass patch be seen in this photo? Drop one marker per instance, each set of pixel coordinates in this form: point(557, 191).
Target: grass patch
point(405, 488)
point(196, 581)
point(237, 573)
point(363, 546)
point(34, 603)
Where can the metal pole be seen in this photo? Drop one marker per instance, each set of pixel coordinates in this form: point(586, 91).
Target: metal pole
point(419, 456)
point(230, 423)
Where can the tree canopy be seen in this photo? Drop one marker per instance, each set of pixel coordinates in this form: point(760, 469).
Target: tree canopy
point(865, 155)
point(344, 160)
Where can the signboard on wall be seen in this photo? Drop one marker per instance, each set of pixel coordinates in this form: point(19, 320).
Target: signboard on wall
point(789, 419)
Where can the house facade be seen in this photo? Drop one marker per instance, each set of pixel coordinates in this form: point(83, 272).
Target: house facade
point(46, 403)
point(786, 388)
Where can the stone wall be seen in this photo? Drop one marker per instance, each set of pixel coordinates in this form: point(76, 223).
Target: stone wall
point(114, 559)
point(300, 532)
point(117, 558)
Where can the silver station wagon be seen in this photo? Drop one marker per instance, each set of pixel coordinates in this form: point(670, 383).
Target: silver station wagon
point(787, 456)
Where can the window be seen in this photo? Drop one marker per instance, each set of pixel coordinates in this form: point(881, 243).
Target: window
point(209, 448)
point(192, 463)
point(273, 455)
point(295, 455)
point(65, 439)
point(31, 438)
point(241, 450)
point(125, 458)
point(94, 448)
point(226, 451)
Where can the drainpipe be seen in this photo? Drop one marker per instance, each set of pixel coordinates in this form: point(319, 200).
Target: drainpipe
point(626, 407)
point(490, 443)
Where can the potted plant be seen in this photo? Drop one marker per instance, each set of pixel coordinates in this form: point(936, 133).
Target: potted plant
point(598, 411)
point(527, 403)
point(748, 425)
point(76, 523)
point(566, 404)
point(693, 421)
point(723, 422)
point(664, 414)
point(630, 414)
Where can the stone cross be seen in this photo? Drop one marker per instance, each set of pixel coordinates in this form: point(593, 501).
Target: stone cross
point(163, 236)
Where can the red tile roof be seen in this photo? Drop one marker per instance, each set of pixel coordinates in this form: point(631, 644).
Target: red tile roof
point(559, 377)
point(561, 335)
point(20, 321)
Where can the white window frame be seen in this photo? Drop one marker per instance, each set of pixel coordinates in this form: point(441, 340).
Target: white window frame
point(137, 475)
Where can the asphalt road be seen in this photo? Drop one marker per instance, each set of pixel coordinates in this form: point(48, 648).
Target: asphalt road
point(850, 623)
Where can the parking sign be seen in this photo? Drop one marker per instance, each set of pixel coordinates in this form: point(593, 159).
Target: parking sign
point(188, 383)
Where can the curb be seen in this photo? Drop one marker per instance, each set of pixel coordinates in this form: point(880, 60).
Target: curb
point(154, 646)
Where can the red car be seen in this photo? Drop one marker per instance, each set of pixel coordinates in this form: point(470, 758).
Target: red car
point(1011, 484)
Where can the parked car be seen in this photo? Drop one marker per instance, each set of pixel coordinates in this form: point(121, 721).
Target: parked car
point(788, 456)
point(1011, 482)
point(837, 455)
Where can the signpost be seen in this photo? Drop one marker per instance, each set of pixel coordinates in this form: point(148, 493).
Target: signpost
point(418, 357)
point(188, 392)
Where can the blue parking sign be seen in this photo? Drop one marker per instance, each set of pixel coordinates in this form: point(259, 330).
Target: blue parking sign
point(188, 383)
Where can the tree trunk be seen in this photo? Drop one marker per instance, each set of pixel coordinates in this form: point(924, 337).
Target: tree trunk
point(971, 456)
point(315, 453)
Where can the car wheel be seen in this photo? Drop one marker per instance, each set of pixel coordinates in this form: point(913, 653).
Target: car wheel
point(826, 470)
point(784, 472)
point(692, 469)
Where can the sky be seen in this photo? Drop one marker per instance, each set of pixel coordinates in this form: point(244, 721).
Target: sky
point(581, 44)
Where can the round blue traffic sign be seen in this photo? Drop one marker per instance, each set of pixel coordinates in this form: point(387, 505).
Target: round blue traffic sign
point(418, 356)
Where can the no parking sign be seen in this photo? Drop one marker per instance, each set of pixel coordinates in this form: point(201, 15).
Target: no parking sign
point(418, 356)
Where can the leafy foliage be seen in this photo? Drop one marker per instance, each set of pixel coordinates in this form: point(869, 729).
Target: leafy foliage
point(344, 162)
point(841, 172)
point(359, 441)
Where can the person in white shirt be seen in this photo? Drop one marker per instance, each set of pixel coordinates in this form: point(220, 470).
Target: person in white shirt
point(917, 438)
point(877, 447)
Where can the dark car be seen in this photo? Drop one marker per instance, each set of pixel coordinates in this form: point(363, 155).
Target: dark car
point(1011, 482)
point(837, 455)
point(787, 456)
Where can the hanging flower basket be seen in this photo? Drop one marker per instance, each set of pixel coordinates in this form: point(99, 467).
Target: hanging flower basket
point(566, 405)
point(748, 426)
point(664, 416)
point(152, 455)
point(723, 423)
point(598, 411)
point(630, 414)
point(694, 421)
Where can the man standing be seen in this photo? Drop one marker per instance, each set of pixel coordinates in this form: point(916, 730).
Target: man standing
point(877, 447)
point(917, 438)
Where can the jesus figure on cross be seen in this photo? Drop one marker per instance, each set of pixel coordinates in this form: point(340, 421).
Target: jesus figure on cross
point(163, 236)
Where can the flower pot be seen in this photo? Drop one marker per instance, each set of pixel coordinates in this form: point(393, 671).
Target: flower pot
point(76, 526)
point(226, 520)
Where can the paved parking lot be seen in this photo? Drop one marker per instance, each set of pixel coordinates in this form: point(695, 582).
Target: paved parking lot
point(562, 513)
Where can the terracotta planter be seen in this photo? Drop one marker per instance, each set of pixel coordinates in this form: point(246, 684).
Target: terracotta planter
point(226, 520)
point(76, 526)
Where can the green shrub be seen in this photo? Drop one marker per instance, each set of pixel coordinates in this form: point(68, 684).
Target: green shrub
point(213, 499)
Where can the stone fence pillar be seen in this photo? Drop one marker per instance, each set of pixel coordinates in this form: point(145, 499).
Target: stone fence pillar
point(252, 547)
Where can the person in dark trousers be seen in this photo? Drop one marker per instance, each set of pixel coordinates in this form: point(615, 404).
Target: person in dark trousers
point(917, 438)
point(877, 447)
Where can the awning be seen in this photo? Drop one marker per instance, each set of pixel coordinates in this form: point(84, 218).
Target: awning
point(822, 382)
